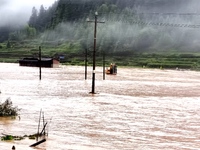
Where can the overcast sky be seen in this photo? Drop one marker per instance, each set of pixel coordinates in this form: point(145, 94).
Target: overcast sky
point(18, 11)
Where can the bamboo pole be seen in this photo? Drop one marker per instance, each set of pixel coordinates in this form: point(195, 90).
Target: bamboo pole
point(39, 125)
point(37, 143)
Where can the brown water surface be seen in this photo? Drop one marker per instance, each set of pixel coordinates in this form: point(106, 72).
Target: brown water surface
point(139, 109)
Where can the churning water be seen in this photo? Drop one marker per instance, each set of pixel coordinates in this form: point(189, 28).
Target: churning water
point(138, 109)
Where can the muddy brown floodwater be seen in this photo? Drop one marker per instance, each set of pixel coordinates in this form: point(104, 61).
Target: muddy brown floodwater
point(139, 109)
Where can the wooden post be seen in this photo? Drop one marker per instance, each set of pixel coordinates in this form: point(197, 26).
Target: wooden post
point(43, 130)
point(104, 72)
point(86, 61)
point(39, 125)
point(37, 143)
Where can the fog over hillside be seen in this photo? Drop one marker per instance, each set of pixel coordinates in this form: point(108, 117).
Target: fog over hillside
point(140, 25)
point(180, 14)
point(17, 12)
point(143, 25)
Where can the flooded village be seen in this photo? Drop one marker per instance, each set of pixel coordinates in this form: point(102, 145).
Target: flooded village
point(99, 75)
point(140, 108)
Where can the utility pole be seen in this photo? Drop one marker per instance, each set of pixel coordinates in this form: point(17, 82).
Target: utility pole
point(104, 65)
point(40, 70)
point(86, 61)
point(94, 51)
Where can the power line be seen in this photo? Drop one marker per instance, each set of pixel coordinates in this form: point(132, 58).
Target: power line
point(164, 24)
point(174, 14)
point(143, 23)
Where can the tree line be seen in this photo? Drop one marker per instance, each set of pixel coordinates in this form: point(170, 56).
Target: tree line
point(124, 29)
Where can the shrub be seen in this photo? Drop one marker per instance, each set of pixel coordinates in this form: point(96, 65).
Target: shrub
point(6, 109)
point(7, 138)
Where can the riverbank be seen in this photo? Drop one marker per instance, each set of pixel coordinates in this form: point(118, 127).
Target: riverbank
point(189, 61)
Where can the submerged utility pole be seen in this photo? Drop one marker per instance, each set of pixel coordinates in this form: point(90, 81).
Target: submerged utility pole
point(86, 61)
point(104, 66)
point(94, 51)
point(40, 66)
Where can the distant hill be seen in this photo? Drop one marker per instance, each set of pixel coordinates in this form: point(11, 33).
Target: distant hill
point(130, 25)
point(73, 10)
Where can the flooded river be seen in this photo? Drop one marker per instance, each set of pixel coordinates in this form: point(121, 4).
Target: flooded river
point(138, 109)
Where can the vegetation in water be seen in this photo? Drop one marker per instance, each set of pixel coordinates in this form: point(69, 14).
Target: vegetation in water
point(12, 137)
point(7, 109)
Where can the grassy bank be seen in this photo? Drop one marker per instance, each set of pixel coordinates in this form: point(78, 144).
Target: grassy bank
point(74, 56)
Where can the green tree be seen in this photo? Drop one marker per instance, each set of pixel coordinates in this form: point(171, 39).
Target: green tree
point(42, 19)
point(8, 45)
point(103, 9)
point(30, 31)
point(33, 19)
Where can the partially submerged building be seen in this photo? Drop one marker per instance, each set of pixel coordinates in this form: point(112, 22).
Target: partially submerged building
point(35, 62)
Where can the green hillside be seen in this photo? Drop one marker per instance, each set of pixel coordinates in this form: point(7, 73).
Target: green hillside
point(158, 33)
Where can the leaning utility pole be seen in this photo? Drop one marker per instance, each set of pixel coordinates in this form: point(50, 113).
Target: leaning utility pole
point(94, 51)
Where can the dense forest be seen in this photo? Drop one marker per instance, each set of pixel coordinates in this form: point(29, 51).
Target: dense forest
point(131, 26)
point(125, 27)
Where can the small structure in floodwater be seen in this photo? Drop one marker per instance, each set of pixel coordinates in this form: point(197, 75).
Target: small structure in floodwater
point(34, 62)
point(112, 69)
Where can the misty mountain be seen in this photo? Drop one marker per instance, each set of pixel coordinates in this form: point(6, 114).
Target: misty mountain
point(71, 10)
point(130, 25)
